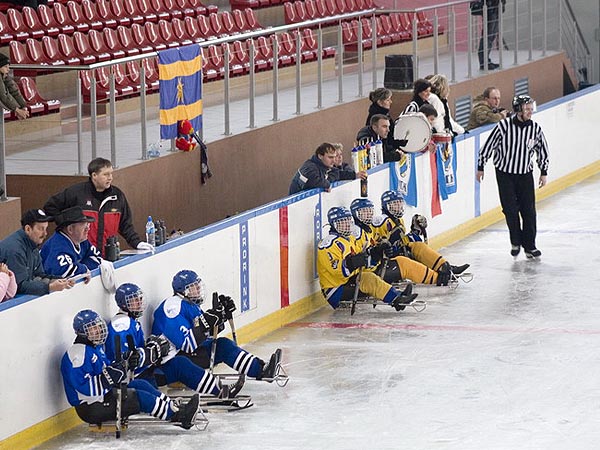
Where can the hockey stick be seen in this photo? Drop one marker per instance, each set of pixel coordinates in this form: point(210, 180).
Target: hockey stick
point(119, 388)
point(356, 289)
point(213, 347)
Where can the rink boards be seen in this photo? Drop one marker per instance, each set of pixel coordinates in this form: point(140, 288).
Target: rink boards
point(264, 259)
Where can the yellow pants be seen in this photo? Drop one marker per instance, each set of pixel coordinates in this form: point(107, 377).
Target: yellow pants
point(373, 285)
point(415, 271)
point(426, 255)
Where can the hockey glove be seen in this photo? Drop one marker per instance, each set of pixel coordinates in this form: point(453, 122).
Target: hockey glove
point(113, 374)
point(400, 143)
point(210, 319)
point(376, 253)
point(228, 305)
point(354, 262)
point(418, 224)
point(161, 343)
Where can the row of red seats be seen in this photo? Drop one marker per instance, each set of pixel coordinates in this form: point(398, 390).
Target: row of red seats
point(36, 105)
point(300, 11)
point(254, 4)
point(390, 30)
point(96, 46)
point(85, 15)
point(127, 76)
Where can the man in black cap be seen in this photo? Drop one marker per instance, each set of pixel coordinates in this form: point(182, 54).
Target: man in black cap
point(10, 96)
point(68, 252)
point(22, 254)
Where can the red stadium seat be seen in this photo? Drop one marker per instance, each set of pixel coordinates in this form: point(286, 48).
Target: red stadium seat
point(98, 47)
point(398, 27)
point(216, 26)
point(359, 5)
point(126, 41)
point(122, 82)
point(184, 7)
point(251, 19)
point(6, 34)
point(171, 8)
point(119, 12)
point(152, 77)
point(228, 23)
point(203, 27)
point(311, 10)
point(105, 14)
point(214, 61)
point(239, 57)
point(75, 12)
point(301, 15)
point(66, 48)
point(83, 49)
point(340, 6)
point(321, 8)
point(140, 39)
point(289, 13)
point(312, 44)
point(159, 9)
point(154, 38)
point(35, 52)
point(264, 51)
point(89, 14)
point(384, 28)
point(191, 29)
point(259, 63)
point(288, 46)
point(32, 96)
point(201, 9)
point(32, 22)
point(145, 9)
point(208, 74)
point(50, 51)
point(34, 104)
point(113, 44)
point(48, 21)
point(132, 10)
point(331, 7)
point(351, 5)
point(20, 31)
point(63, 20)
point(18, 53)
point(180, 32)
point(240, 20)
point(307, 53)
point(165, 34)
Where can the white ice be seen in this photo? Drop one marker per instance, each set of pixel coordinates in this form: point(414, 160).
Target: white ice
point(509, 361)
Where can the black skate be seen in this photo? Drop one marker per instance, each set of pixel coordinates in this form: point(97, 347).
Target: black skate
point(229, 391)
point(515, 250)
point(404, 299)
point(457, 270)
point(269, 371)
point(186, 415)
point(444, 274)
point(533, 254)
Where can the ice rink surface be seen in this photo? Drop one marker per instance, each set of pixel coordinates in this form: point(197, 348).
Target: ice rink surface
point(509, 361)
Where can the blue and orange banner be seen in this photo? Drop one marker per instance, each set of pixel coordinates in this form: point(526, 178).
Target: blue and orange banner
point(180, 75)
point(446, 169)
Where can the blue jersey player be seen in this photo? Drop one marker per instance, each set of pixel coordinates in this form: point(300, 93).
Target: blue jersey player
point(189, 329)
point(89, 378)
point(150, 354)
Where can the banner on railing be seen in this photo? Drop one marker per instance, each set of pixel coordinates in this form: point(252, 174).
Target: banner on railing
point(403, 178)
point(180, 74)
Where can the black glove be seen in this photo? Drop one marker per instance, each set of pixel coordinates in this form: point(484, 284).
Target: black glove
point(353, 262)
point(210, 319)
point(228, 305)
point(400, 143)
point(136, 358)
point(161, 343)
point(376, 254)
point(397, 249)
point(113, 374)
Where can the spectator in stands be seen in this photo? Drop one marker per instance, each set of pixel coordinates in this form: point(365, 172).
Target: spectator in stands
point(346, 172)
point(317, 172)
point(379, 128)
point(486, 109)
point(22, 255)
point(492, 32)
point(8, 284)
point(68, 252)
point(103, 202)
point(10, 96)
point(444, 121)
point(421, 94)
point(381, 102)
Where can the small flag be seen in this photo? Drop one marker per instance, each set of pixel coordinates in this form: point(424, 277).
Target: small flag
point(403, 178)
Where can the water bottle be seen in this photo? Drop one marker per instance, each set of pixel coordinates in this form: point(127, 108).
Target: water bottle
point(153, 150)
point(379, 147)
point(157, 233)
point(355, 159)
point(372, 154)
point(150, 231)
point(110, 249)
point(163, 231)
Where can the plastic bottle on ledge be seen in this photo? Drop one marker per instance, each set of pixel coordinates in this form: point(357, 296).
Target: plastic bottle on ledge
point(355, 159)
point(154, 150)
point(163, 231)
point(150, 232)
point(157, 234)
point(379, 149)
point(372, 154)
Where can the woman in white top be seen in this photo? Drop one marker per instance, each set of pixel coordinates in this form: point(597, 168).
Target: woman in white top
point(444, 120)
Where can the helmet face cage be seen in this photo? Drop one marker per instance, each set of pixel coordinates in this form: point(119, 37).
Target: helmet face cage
point(135, 303)
point(343, 226)
point(395, 207)
point(91, 326)
point(195, 291)
point(365, 215)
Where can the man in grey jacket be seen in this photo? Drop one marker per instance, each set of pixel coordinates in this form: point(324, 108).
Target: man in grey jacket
point(10, 97)
point(22, 255)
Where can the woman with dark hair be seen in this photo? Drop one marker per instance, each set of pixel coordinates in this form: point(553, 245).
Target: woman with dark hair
point(381, 102)
point(421, 93)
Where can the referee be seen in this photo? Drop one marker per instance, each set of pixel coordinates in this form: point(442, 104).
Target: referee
point(513, 142)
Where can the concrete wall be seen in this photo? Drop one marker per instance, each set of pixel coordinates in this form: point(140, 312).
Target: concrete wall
point(244, 256)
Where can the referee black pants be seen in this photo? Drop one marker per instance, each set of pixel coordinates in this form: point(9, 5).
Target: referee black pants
point(517, 197)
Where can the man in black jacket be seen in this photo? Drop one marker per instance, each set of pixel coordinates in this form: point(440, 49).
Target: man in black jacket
point(379, 128)
point(102, 201)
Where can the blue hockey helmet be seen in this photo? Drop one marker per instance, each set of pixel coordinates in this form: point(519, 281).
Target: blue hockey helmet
point(520, 100)
point(189, 284)
point(362, 210)
point(130, 298)
point(392, 203)
point(90, 325)
point(340, 220)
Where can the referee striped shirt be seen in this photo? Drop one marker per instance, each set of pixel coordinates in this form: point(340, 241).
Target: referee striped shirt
point(514, 144)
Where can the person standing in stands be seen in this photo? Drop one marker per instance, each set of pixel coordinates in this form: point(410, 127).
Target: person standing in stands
point(443, 121)
point(10, 96)
point(493, 24)
point(514, 142)
point(421, 94)
point(21, 253)
point(101, 201)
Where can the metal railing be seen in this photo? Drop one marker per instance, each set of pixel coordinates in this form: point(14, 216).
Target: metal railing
point(526, 30)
